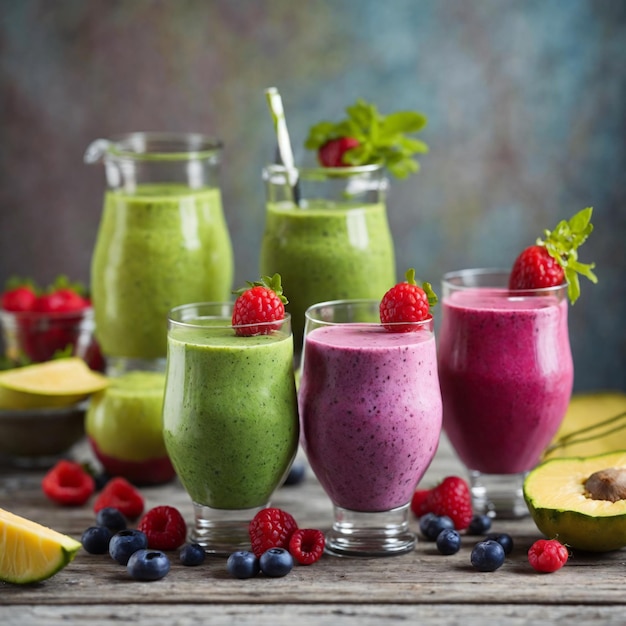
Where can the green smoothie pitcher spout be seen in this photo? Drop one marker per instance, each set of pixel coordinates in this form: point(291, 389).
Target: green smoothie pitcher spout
point(96, 153)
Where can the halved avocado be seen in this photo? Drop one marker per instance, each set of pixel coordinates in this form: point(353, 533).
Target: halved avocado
point(580, 501)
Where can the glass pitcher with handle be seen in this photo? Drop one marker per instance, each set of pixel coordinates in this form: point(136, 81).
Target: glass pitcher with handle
point(163, 241)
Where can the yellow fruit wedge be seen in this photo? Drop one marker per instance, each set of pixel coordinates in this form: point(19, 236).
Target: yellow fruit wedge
point(588, 428)
point(57, 383)
point(30, 552)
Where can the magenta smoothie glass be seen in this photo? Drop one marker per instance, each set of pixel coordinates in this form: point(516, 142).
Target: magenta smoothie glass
point(506, 374)
point(370, 410)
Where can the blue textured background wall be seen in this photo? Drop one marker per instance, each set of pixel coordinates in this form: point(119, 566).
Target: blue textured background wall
point(527, 123)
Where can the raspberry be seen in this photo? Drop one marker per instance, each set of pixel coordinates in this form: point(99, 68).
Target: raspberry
point(165, 528)
point(271, 528)
point(452, 498)
point(68, 483)
point(406, 302)
point(121, 495)
point(418, 500)
point(547, 555)
point(307, 545)
point(259, 303)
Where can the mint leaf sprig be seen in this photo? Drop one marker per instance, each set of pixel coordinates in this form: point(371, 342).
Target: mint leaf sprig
point(562, 244)
point(382, 138)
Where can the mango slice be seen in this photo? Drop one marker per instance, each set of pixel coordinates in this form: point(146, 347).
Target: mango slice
point(57, 383)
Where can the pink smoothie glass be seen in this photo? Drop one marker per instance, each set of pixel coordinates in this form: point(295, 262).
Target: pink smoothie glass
point(370, 411)
point(506, 374)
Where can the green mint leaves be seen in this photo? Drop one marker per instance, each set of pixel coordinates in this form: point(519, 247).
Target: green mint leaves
point(562, 244)
point(382, 139)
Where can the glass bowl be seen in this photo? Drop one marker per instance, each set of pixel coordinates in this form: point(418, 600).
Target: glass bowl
point(36, 337)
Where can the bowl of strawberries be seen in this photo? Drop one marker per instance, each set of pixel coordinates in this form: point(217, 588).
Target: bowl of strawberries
point(43, 324)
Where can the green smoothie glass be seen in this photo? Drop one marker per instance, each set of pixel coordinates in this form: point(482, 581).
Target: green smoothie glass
point(333, 241)
point(162, 241)
point(230, 419)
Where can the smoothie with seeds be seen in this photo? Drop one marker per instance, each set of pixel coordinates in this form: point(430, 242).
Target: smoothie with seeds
point(230, 420)
point(159, 247)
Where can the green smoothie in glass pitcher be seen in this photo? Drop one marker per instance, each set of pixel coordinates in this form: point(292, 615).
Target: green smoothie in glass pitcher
point(163, 241)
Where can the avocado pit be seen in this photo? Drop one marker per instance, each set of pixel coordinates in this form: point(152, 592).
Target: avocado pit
point(607, 484)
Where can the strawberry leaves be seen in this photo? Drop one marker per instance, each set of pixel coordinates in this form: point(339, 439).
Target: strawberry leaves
point(562, 244)
point(269, 282)
point(381, 139)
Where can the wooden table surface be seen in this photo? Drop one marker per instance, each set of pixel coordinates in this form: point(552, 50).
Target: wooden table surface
point(421, 587)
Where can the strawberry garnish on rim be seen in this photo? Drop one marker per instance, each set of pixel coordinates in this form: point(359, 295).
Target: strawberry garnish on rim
point(554, 259)
point(257, 304)
point(406, 302)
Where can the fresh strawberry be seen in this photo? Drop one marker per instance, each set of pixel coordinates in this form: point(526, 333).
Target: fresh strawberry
point(271, 528)
point(68, 483)
point(307, 545)
point(365, 136)
point(418, 501)
point(259, 303)
point(21, 298)
point(332, 152)
point(121, 495)
point(61, 301)
point(406, 302)
point(554, 259)
point(547, 555)
point(452, 498)
point(165, 528)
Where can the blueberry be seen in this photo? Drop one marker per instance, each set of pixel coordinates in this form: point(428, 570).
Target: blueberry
point(124, 543)
point(96, 539)
point(148, 565)
point(431, 525)
point(448, 541)
point(479, 525)
point(100, 480)
point(113, 519)
point(296, 474)
point(243, 564)
point(192, 554)
point(276, 562)
point(505, 540)
point(487, 556)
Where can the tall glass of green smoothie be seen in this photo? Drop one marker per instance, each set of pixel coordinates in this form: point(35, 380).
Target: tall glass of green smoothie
point(332, 242)
point(162, 241)
point(230, 419)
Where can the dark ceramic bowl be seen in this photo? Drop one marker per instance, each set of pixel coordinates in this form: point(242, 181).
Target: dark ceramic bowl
point(37, 436)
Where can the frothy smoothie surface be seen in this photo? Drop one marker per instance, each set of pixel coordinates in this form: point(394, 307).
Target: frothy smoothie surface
point(370, 410)
point(506, 376)
point(230, 420)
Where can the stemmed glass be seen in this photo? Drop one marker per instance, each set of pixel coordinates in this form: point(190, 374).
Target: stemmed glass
point(506, 373)
point(370, 410)
point(230, 419)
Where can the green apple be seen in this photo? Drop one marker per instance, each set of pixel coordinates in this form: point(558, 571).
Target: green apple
point(124, 426)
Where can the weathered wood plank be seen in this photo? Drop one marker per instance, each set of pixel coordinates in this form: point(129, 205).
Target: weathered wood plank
point(315, 615)
point(422, 584)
